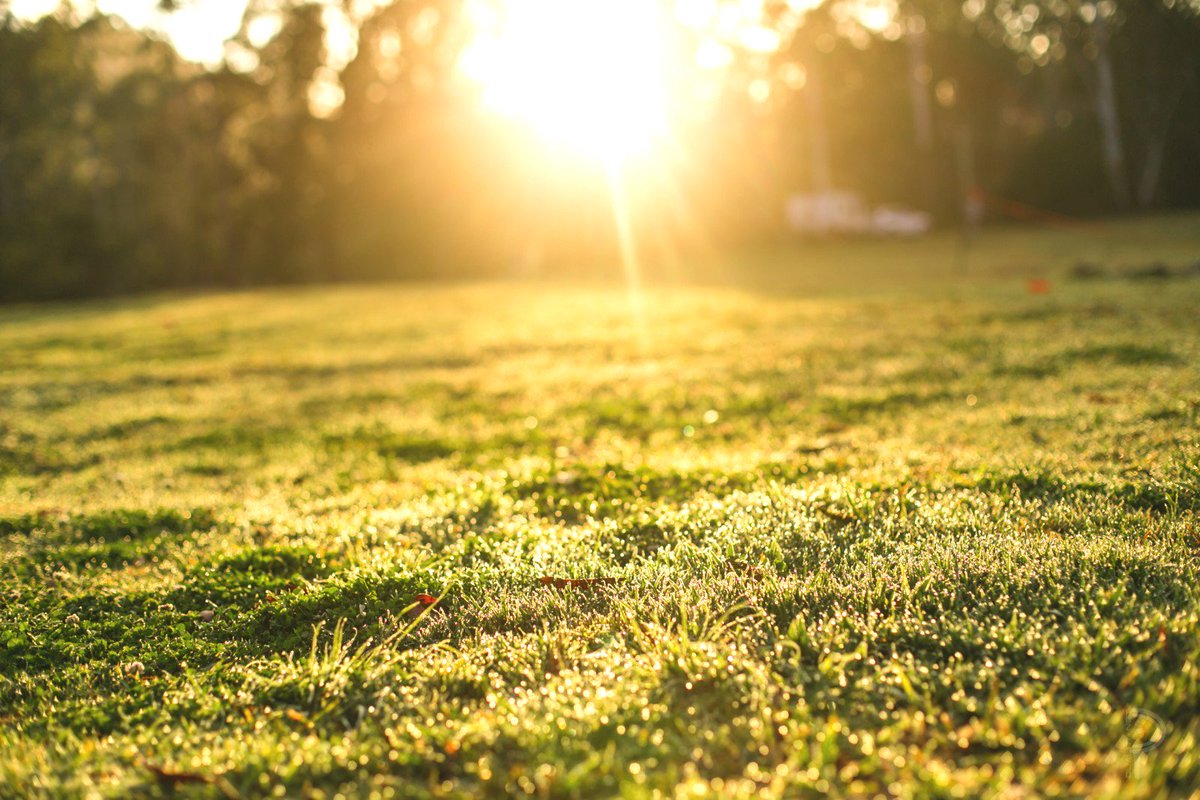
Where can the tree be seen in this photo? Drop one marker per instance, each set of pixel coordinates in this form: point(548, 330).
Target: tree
point(1137, 60)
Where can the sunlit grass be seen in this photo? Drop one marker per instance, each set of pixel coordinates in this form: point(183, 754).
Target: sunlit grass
point(914, 536)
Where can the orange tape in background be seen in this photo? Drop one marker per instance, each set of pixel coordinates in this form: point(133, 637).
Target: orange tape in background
point(1016, 210)
point(1023, 211)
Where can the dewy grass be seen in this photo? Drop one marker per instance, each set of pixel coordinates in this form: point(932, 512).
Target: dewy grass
point(935, 542)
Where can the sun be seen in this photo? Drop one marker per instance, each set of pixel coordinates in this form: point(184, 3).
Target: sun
point(587, 76)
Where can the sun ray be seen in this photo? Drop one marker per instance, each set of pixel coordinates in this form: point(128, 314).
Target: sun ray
point(627, 250)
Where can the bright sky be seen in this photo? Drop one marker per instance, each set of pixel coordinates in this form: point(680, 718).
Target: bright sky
point(200, 27)
point(590, 75)
point(198, 30)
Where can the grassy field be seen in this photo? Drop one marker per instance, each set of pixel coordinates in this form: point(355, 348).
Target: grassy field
point(861, 526)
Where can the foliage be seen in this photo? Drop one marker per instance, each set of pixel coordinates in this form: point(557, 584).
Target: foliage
point(123, 167)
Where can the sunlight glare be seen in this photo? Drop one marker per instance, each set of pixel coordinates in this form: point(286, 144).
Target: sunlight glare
point(876, 15)
point(198, 30)
point(585, 75)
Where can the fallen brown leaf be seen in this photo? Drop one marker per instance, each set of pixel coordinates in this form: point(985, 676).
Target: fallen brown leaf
point(296, 716)
point(419, 605)
point(170, 779)
point(174, 777)
point(744, 568)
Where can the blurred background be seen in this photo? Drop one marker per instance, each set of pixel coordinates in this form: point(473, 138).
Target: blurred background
point(148, 145)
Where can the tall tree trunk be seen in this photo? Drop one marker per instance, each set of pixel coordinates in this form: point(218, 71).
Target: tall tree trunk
point(964, 159)
point(919, 73)
point(1147, 189)
point(1107, 114)
point(1164, 92)
point(5, 191)
point(818, 131)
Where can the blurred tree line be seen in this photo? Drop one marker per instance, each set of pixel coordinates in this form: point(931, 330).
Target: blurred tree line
point(124, 167)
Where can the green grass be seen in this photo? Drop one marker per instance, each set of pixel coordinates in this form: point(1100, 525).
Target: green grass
point(873, 528)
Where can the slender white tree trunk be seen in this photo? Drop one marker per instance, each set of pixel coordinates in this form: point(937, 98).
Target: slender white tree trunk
point(920, 75)
point(818, 126)
point(918, 86)
point(5, 192)
point(1107, 114)
point(1152, 166)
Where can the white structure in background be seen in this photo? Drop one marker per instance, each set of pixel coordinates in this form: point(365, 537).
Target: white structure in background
point(900, 221)
point(828, 212)
point(837, 211)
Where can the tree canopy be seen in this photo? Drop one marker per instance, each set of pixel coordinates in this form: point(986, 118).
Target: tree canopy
point(346, 141)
